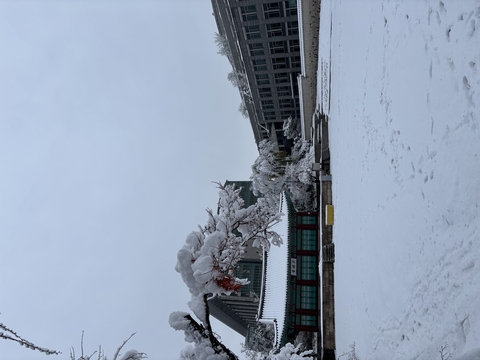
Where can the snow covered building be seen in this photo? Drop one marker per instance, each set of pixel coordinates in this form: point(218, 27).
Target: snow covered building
point(264, 49)
point(284, 288)
point(290, 282)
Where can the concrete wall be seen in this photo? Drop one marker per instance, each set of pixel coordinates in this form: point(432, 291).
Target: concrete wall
point(309, 22)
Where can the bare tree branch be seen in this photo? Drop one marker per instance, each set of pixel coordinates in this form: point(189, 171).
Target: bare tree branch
point(121, 346)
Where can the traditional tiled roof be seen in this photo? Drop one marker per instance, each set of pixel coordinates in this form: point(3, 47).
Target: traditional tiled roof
point(273, 296)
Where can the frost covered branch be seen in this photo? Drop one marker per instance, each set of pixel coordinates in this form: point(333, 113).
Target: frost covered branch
point(223, 47)
point(9, 334)
point(291, 352)
point(208, 260)
point(237, 77)
point(274, 172)
point(206, 344)
point(207, 264)
point(129, 355)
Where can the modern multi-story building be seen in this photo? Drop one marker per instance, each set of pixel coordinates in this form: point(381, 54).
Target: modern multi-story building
point(263, 38)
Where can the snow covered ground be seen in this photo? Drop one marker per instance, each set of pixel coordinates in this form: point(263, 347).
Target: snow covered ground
point(404, 137)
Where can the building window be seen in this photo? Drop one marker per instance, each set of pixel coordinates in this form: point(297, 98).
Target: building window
point(259, 65)
point(280, 63)
point(307, 220)
point(281, 78)
point(291, 7)
point(265, 92)
point(285, 103)
point(272, 10)
point(294, 45)
point(292, 27)
point(275, 29)
point(306, 320)
point(277, 47)
point(269, 118)
point(308, 297)
point(262, 79)
point(267, 104)
point(283, 91)
point(252, 32)
point(256, 49)
point(253, 272)
point(269, 113)
point(296, 61)
point(308, 267)
point(248, 12)
point(308, 239)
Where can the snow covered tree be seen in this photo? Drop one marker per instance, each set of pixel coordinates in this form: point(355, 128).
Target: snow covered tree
point(275, 171)
point(259, 341)
point(237, 77)
point(300, 176)
point(268, 172)
point(290, 352)
point(209, 257)
point(292, 128)
point(239, 80)
point(242, 109)
point(208, 260)
point(223, 47)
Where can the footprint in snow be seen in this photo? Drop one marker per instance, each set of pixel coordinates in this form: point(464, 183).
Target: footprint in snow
point(451, 64)
point(441, 6)
point(472, 27)
point(466, 88)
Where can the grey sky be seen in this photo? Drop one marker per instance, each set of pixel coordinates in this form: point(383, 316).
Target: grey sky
point(115, 116)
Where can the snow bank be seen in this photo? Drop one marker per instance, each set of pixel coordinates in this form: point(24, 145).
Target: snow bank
point(404, 137)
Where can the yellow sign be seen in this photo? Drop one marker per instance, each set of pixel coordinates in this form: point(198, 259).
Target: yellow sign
point(329, 219)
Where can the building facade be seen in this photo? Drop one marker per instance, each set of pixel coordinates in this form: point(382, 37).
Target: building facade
point(291, 284)
point(263, 38)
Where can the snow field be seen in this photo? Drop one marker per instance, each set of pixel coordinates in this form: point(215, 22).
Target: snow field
point(404, 138)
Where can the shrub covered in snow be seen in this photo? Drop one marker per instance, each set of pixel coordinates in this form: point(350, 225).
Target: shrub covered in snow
point(275, 171)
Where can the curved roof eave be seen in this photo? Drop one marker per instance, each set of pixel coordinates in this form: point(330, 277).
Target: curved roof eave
point(274, 293)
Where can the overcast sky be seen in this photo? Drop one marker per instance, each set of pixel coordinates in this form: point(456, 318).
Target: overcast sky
point(115, 116)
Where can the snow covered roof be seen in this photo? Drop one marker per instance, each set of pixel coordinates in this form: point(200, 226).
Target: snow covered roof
point(273, 298)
